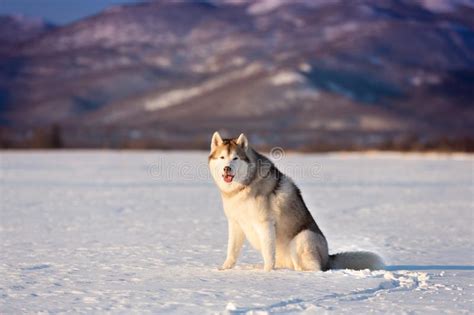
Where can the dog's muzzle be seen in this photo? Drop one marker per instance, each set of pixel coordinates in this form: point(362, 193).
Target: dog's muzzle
point(228, 176)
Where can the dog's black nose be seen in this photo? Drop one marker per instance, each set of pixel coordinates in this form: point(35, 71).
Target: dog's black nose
point(227, 169)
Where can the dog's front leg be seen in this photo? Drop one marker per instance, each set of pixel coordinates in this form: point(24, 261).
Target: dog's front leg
point(266, 233)
point(234, 245)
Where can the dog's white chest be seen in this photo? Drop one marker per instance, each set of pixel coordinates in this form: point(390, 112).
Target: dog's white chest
point(250, 214)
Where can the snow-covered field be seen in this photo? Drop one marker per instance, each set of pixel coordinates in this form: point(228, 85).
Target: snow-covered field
point(140, 232)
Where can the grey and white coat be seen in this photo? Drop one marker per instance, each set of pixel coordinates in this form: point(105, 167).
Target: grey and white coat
point(265, 207)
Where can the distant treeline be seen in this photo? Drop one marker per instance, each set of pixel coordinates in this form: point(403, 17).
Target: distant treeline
point(60, 137)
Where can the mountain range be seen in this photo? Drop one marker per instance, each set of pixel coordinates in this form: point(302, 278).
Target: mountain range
point(304, 75)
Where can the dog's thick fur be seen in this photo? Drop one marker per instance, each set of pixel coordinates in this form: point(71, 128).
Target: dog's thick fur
point(265, 207)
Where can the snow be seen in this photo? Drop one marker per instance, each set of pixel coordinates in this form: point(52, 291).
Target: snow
point(286, 77)
point(266, 6)
point(444, 6)
point(136, 232)
point(179, 96)
point(335, 32)
point(305, 67)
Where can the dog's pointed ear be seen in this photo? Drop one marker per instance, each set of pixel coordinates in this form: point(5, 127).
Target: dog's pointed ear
point(242, 141)
point(216, 140)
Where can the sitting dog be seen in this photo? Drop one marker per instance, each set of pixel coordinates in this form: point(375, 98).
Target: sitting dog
point(265, 207)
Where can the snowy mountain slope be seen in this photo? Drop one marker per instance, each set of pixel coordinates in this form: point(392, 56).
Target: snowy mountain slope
point(17, 29)
point(99, 231)
point(399, 68)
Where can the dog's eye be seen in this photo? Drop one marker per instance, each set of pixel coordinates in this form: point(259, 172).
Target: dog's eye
point(222, 157)
point(236, 158)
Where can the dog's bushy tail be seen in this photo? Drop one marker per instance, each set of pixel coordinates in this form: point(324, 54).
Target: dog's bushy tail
point(356, 261)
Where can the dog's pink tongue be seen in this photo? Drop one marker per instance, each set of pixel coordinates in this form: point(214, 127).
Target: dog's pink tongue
point(228, 178)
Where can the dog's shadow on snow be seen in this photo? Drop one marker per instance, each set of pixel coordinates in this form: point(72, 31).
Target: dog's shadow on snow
point(428, 267)
point(387, 267)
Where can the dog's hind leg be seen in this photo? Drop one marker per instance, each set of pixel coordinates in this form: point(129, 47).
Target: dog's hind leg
point(309, 251)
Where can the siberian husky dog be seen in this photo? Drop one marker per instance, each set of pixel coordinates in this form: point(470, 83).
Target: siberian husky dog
point(265, 207)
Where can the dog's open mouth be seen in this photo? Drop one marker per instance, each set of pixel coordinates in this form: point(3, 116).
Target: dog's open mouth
point(228, 178)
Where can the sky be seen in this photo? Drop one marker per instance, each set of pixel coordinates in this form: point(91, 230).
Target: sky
point(57, 11)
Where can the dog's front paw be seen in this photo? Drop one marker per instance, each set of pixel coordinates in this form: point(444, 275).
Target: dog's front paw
point(227, 265)
point(267, 268)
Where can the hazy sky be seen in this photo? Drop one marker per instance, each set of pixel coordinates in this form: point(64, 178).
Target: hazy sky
point(57, 11)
